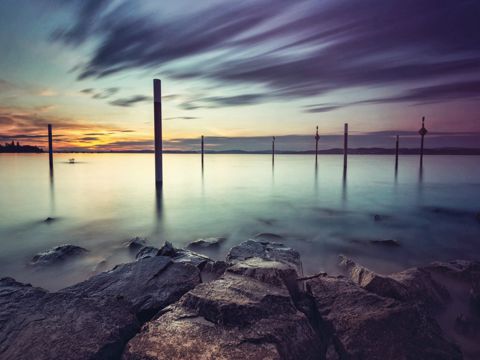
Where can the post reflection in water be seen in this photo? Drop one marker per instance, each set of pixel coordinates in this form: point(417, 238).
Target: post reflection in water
point(52, 192)
point(159, 211)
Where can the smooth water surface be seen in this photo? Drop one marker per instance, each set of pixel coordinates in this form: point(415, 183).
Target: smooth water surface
point(103, 200)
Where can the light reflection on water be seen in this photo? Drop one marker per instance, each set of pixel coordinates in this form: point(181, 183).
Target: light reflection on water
point(105, 199)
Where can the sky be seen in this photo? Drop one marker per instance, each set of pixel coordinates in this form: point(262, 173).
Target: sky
point(240, 72)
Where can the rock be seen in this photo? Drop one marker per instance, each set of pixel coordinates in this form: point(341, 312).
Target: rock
point(389, 242)
point(49, 220)
point(267, 251)
point(265, 236)
point(213, 270)
point(207, 243)
point(57, 255)
point(147, 252)
point(35, 324)
point(234, 317)
point(364, 325)
point(136, 244)
point(183, 255)
point(148, 284)
point(412, 285)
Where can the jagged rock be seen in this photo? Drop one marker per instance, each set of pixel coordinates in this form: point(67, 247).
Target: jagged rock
point(367, 326)
point(57, 255)
point(49, 220)
point(148, 284)
point(412, 285)
point(183, 255)
point(136, 244)
point(267, 251)
point(213, 270)
point(207, 243)
point(147, 252)
point(389, 242)
point(234, 317)
point(35, 324)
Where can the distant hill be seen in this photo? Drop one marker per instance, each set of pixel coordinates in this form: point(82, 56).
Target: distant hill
point(17, 148)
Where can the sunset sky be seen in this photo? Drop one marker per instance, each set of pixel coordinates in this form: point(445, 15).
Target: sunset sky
point(231, 69)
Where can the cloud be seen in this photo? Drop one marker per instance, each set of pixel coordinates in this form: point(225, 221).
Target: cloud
point(181, 118)
point(291, 49)
point(127, 102)
point(222, 101)
point(47, 92)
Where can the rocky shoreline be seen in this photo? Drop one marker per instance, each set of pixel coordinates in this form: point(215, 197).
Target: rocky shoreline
point(257, 304)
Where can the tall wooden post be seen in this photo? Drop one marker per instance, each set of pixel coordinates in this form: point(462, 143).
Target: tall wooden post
point(203, 148)
point(317, 138)
point(157, 111)
point(273, 149)
point(345, 148)
point(50, 147)
point(396, 154)
point(423, 131)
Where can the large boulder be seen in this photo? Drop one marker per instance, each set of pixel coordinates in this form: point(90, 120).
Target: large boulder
point(246, 314)
point(148, 284)
point(36, 324)
point(265, 250)
point(364, 325)
point(58, 255)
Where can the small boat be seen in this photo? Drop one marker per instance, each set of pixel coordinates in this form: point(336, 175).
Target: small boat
point(71, 161)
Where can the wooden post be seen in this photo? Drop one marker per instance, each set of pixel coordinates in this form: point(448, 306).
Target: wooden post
point(317, 138)
point(50, 147)
point(345, 149)
point(423, 131)
point(157, 111)
point(396, 154)
point(273, 149)
point(203, 149)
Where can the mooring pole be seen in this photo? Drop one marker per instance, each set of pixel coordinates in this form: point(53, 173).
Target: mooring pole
point(396, 154)
point(157, 111)
point(317, 138)
point(345, 148)
point(203, 148)
point(423, 131)
point(273, 149)
point(50, 147)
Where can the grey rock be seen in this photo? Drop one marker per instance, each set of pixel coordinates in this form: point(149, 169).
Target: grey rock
point(207, 243)
point(266, 236)
point(148, 284)
point(136, 244)
point(58, 255)
point(367, 326)
point(35, 324)
point(183, 255)
point(147, 252)
point(267, 251)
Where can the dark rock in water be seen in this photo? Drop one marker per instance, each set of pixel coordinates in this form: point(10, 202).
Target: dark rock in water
point(207, 243)
point(183, 255)
point(57, 255)
point(35, 324)
point(377, 217)
point(149, 284)
point(136, 244)
point(49, 219)
point(147, 252)
point(367, 326)
point(267, 251)
point(234, 317)
point(268, 236)
point(389, 242)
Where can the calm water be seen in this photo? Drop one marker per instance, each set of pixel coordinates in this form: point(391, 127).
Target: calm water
point(105, 199)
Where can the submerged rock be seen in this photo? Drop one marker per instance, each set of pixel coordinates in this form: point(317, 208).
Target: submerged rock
point(136, 244)
point(364, 325)
point(265, 236)
point(148, 284)
point(267, 251)
point(57, 255)
point(389, 242)
point(49, 220)
point(35, 324)
point(207, 243)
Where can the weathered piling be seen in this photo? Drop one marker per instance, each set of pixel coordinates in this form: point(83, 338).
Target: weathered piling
point(157, 111)
point(203, 148)
point(50, 147)
point(396, 154)
point(345, 148)
point(317, 138)
point(273, 149)
point(423, 131)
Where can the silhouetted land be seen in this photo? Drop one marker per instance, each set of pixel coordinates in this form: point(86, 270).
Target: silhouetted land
point(355, 151)
point(17, 148)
